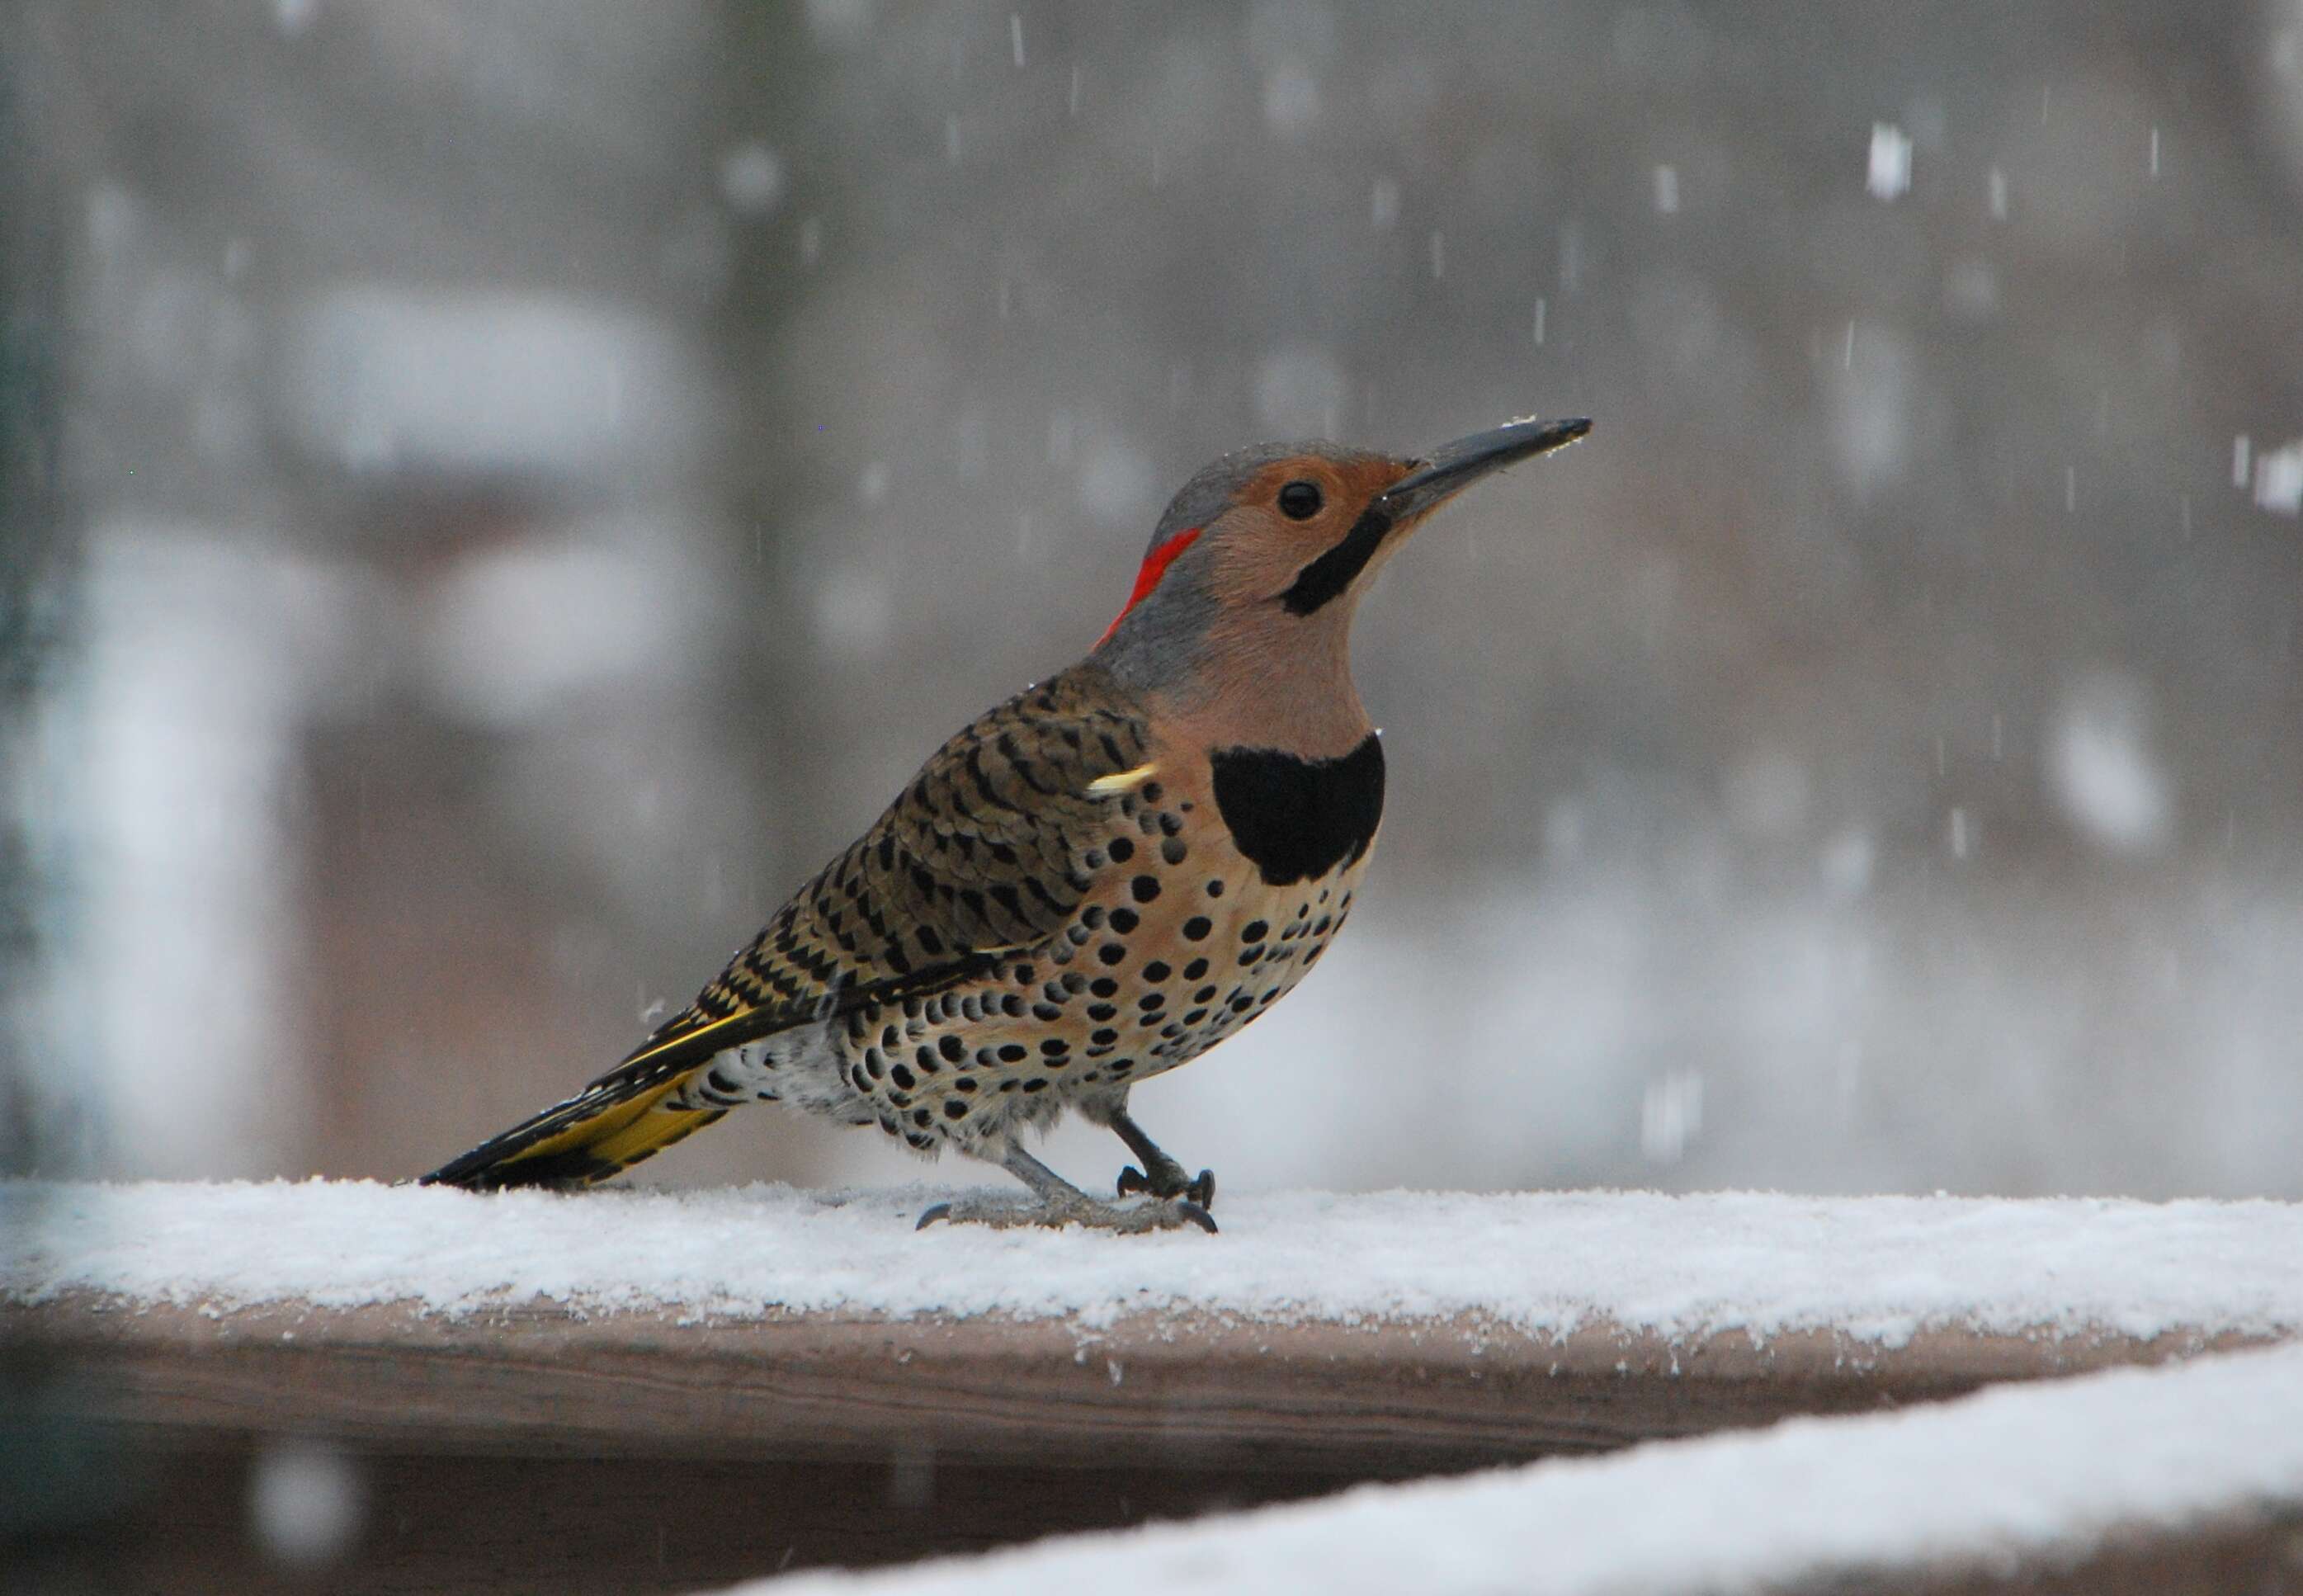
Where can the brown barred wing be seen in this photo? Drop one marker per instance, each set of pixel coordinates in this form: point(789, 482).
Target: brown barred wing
point(988, 849)
point(984, 852)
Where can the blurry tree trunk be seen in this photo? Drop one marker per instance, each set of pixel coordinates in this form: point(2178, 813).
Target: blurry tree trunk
point(58, 1481)
point(34, 558)
point(763, 88)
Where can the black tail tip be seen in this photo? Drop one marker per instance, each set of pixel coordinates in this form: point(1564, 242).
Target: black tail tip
point(556, 1172)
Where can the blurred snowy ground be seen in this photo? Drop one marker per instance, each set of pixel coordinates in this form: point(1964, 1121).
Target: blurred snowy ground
point(532, 481)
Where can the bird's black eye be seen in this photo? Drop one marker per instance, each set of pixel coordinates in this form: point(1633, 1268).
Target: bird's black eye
point(1300, 501)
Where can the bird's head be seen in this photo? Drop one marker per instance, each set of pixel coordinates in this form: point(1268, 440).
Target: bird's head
point(1270, 547)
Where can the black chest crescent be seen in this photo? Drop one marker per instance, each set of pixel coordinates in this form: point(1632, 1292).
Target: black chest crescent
point(1295, 818)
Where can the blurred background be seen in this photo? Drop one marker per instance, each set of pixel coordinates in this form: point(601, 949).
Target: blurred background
point(496, 494)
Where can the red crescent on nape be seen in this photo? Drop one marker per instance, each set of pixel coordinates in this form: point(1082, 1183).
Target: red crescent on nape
point(1155, 566)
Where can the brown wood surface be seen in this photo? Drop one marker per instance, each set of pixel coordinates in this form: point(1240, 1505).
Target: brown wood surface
point(1185, 1392)
point(539, 1449)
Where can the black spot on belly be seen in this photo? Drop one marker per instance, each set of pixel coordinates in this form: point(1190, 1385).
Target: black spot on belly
point(1297, 818)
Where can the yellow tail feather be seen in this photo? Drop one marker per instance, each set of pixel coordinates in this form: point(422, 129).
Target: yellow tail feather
point(656, 1129)
point(587, 1139)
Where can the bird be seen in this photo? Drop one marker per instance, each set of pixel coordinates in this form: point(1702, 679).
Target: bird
point(1094, 883)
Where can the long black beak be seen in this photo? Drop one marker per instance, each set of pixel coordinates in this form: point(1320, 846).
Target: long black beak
point(1456, 467)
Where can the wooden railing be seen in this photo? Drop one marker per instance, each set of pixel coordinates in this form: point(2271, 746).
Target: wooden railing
point(543, 1446)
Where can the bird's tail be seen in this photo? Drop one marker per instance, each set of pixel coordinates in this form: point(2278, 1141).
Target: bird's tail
point(615, 1122)
point(638, 1109)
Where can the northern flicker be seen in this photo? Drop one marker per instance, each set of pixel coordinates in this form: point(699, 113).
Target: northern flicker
point(1096, 882)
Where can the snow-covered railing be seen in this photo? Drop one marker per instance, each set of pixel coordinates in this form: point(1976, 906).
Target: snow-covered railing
point(1318, 1340)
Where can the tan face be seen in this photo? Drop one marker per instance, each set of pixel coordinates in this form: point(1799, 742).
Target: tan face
point(1243, 606)
point(1267, 543)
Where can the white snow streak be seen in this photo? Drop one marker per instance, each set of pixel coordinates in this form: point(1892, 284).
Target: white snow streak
point(2044, 1472)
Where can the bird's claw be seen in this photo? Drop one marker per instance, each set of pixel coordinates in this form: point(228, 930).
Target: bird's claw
point(1167, 1181)
point(1127, 1219)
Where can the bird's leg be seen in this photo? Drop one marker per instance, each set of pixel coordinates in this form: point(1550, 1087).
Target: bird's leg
point(1055, 1202)
point(1160, 1175)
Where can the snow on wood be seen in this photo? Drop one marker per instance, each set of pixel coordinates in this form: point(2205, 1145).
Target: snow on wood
point(2189, 1477)
point(1875, 1270)
point(1318, 1341)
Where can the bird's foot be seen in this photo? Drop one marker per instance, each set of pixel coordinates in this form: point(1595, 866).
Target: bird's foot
point(1166, 1180)
point(1003, 1211)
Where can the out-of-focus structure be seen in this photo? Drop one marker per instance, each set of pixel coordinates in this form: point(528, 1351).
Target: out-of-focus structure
point(497, 493)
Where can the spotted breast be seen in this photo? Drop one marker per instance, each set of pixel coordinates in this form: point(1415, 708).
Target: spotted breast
point(1214, 886)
